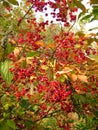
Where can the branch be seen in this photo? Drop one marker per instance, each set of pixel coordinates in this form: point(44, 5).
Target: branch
point(19, 22)
point(50, 114)
point(71, 27)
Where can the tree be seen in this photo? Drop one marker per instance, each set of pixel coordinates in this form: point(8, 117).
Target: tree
point(48, 72)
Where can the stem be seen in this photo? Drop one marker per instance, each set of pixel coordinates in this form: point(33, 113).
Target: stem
point(71, 27)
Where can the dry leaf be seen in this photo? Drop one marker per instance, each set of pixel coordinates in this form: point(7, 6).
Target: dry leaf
point(64, 71)
point(80, 92)
point(82, 78)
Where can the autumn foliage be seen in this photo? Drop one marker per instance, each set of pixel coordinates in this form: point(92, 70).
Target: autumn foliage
point(48, 80)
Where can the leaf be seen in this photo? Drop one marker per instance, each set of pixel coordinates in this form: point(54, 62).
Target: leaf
point(17, 51)
point(14, 2)
point(5, 73)
point(82, 78)
point(74, 77)
point(93, 28)
point(50, 122)
point(9, 48)
point(25, 103)
point(50, 45)
point(80, 15)
point(4, 127)
point(28, 124)
point(28, 3)
point(31, 54)
point(6, 4)
point(93, 1)
point(64, 71)
point(40, 43)
point(86, 17)
point(94, 57)
point(11, 124)
point(29, 60)
point(62, 79)
point(96, 112)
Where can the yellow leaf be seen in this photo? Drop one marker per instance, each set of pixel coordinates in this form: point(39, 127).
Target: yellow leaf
point(11, 41)
point(32, 77)
point(29, 60)
point(44, 67)
point(17, 51)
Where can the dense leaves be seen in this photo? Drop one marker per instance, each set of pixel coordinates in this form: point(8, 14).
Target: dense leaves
point(48, 72)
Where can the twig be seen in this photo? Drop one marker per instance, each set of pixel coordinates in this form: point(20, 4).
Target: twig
point(61, 28)
point(71, 27)
point(19, 22)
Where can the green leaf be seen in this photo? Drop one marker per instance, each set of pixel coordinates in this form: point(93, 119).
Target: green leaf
point(11, 124)
point(86, 17)
point(5, 73)
point(25, 103)
point(95, 57)
point(28, 124)
point(93, 28)
point(81, 15)
point(62, 79)
point(50, 122)
point(34, 53)
point(96, 112)
point(6, 4)
point(14, 2)
point(4, 125)
point(9, 48)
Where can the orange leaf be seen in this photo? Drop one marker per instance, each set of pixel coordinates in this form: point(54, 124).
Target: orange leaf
point(27, 3)
point(40, 43)
point(51, 45)
point(74, 77)
point(82, 78)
